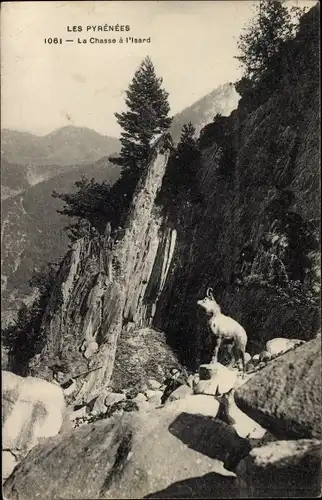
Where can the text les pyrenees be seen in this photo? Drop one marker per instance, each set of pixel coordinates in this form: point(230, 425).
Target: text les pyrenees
point(97, 28)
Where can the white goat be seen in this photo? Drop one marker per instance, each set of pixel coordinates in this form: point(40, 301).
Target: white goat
point(224, 328)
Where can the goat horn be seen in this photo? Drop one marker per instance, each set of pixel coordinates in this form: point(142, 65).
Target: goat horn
point(209, 292)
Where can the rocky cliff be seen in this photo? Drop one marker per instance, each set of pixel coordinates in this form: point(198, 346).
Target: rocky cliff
point(103, 287)
point(252, 237)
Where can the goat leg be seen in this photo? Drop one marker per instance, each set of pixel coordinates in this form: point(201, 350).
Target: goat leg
point(244, 362)
point(216, 351)
point(232, 354)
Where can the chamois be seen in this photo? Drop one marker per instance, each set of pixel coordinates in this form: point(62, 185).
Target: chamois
point(224, 328)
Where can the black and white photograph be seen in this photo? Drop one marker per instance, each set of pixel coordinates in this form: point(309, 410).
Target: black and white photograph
point(160, 249)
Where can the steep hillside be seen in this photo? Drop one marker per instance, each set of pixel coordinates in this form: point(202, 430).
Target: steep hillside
point(223, 100)
point(101, 285)
point(65, 146)
point(32, 231)
point(17, 178)
point(13, 179)
point(255, 237)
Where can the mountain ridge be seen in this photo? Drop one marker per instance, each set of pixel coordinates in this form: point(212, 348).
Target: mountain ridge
point(65, 146)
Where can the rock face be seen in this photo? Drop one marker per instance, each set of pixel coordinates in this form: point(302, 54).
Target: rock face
point(31, 409)
point(105, 284)
point(282, 469)
point(130, 457)
point(285, 396)
point(263, 176)
point(32, 231)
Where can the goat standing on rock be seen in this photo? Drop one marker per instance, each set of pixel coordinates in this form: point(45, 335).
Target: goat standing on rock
point(224, 329)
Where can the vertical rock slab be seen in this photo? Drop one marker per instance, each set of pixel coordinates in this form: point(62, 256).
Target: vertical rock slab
point(101, 286)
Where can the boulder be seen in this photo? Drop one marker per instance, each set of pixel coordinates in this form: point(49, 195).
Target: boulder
point(113, 397)
point(250, 366)
point(182, 392)
point(207, 387)
point(281, 469)
point(99, 403)
point(255, 358)
point(192, 380)
point(133, 456)
point(79, 413)
point(245, 426)
point(32, 409)
point(142, 402)
point(200, 404)
point(154, 397)
point(125, 405)
point(247, 357)
point(215, 379)
point(278, 346)
point(153, 384)
point(285, 396)
point(195, 381)
point(9, 462)
point(266, 356)
point(140, 397)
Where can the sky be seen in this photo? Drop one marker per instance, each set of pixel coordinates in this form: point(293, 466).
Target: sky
point(47, 86)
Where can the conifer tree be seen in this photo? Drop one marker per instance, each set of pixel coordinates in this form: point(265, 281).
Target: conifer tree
point(89, 202)
point(147, 116)
point(272, 25)
point(187, 156)
point(180, 180)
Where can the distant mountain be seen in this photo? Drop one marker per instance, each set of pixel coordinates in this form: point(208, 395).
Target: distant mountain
point(32, 231)
point(66, 146)
point(13, 179)
point(16, 178)
point(223, 100)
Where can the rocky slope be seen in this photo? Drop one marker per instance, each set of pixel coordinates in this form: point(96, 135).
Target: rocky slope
point(137, 448)
point(132, 457)
point(259, 179)
point(162, 263)
point(32, 232)
point(103, 287)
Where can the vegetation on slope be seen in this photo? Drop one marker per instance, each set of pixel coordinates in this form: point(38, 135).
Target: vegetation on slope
point(254, 238)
